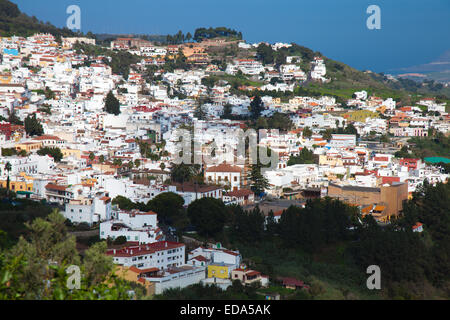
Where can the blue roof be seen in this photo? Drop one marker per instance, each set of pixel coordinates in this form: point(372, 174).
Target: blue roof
point(437, 159)
point(13, 52)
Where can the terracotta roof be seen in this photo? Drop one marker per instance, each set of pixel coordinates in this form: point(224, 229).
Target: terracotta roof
point(223, 167)
point(53, 186)
point(200, 258)
point(417, 225)
point(132, 251)
point(293, 282)
point(239, 193)
point(47, 137)
point(251, 273)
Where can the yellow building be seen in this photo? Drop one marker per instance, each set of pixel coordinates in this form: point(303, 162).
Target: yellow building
point(29, 146)
point(325, 160)
point(134, 274)
point(71, 152)
point(5, 78)
point(18, 185)
point(218, 270)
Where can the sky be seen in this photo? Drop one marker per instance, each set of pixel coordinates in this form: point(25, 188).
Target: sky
point(412, 32)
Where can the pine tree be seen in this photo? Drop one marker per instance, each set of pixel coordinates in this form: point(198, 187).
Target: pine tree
point(258, 183)
point(112, 105)
point(256, 106)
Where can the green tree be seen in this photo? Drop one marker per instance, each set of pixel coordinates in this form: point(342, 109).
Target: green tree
point(8, 169)
point(307, 132)
point(112, 105)
point(32, 126)
point(256, 107)
point(183, 172)
point(258, 183)
point(55, 153)
point(265, 53)
point(207, 215)
point(35, 268)
point(117, 162)
point(124, 203)
point(227, 109)
point(168, 206)
point(305, 157)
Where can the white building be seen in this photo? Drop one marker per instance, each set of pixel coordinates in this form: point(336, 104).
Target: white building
point(161, 255)
point(134, 225)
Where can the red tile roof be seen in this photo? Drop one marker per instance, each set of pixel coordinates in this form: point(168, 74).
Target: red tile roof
point(223, 167)
point(144, 249)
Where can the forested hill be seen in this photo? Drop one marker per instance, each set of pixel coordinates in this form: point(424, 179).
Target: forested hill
point(15, 22)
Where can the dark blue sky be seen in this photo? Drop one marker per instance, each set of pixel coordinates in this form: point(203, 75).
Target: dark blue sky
point(412, 31)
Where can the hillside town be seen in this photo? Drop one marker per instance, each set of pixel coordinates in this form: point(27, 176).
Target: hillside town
point(78, 136)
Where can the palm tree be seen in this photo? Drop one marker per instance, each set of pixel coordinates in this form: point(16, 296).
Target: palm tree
point(8, 168)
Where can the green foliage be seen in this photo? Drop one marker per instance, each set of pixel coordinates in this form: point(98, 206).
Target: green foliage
point(210, 33)
point(258, 183)
point(55, 153)
point(179, 62)
point(14, 22)
point(431, 206)
point(307, 132)
point(256, 107)
point(32, 126)
point(349, 129)
point(280, 121)
point(15, 213)
point(246, 226)
point(119, 61)
point(183, 172)
point(207, 215)
point(8, 152)
point(120, 240)
point(35, 268)
point(305, 157)
point(320, 223)
point(265, 53)
point(227, 109)
point(437, 145)
point(112, 105)
point(126, 204)
point(168, 206)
